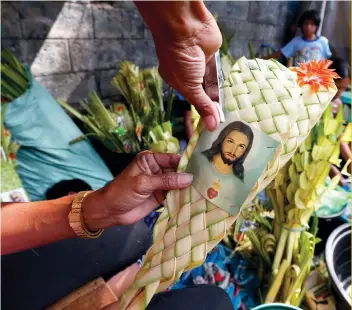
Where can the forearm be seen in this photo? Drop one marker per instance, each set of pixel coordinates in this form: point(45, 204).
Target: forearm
point(28, 225)
point(174, 20)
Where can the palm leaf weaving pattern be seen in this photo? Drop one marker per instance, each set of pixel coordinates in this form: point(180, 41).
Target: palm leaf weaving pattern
point(265, 95)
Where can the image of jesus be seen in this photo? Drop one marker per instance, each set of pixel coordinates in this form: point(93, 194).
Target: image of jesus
point(218, 171)
point(230, 149)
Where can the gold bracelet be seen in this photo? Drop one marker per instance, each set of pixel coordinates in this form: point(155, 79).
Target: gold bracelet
point(76, 219)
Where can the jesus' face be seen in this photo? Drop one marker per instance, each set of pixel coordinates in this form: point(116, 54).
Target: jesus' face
point(233, 147)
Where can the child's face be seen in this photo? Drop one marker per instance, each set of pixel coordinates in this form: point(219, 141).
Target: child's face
point(309, 28)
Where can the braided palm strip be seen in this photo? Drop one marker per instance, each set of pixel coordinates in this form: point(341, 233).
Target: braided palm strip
point(264, 93)
point(190, 226)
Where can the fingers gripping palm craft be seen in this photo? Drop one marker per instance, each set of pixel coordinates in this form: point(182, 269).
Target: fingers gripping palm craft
point(266, 95)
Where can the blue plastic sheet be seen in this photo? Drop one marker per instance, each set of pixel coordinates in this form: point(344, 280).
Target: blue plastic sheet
point(231, 273)
point(43, 129)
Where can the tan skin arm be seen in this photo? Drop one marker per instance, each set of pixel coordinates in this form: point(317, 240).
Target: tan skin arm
point(28, 225)
point(185, 32)
point(132, 195)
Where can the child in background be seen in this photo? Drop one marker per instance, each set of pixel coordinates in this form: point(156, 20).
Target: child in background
point(308, 47)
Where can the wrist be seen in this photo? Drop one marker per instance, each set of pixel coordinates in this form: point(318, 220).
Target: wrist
point(95, 213)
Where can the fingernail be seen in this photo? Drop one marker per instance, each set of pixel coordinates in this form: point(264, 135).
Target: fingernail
point(210, 122)
point(185, 179)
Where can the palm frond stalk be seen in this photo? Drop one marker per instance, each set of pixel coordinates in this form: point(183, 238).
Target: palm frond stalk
point(297, 191)
point(299, 186)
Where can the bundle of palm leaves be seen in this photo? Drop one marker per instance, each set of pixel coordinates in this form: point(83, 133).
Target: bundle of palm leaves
point(112, 126)
point(142, 90)
point(14, 81)
point(140, 124)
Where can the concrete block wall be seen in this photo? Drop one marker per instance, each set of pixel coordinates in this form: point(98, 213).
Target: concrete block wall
point(74, 48)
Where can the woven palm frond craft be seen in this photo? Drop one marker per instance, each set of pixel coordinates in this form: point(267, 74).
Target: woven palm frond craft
point(266, 95)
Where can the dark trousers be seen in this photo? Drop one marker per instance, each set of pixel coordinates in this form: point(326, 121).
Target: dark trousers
point(33, 280)
point(200, 297)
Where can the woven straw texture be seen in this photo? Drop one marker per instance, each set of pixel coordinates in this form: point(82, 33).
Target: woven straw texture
point(265, 95)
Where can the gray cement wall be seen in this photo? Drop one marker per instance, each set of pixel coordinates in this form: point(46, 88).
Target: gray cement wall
point(74, 48)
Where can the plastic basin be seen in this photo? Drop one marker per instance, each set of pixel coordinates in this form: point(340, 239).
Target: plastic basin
point(338, 262)
point(276, 306)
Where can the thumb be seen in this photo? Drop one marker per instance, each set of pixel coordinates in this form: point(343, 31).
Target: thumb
point(196, 96)
point(166, 182)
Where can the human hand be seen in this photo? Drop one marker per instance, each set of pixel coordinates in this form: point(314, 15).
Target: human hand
point(134, 193)
point(186, 37)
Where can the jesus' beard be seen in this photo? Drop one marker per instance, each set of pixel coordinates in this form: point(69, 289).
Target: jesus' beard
point(226, 160)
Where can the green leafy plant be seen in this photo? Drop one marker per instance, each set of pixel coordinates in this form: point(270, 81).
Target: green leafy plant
point(286, 248)
point(142, 123)
point(14, 82)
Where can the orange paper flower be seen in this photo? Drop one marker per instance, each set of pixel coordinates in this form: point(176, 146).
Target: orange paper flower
point(316, 74)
